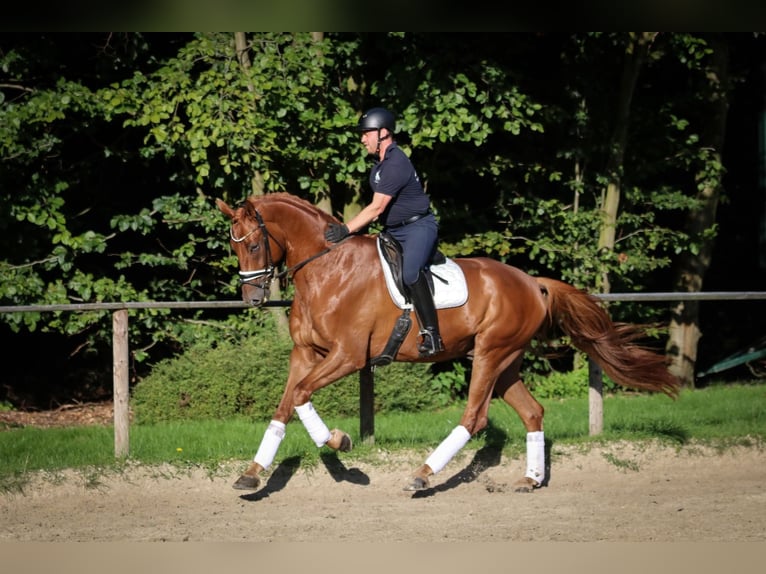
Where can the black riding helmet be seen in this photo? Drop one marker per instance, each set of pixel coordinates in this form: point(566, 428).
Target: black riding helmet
point(376, 119)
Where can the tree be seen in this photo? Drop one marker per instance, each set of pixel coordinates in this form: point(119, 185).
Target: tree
point(636, 51)
point(709, 58)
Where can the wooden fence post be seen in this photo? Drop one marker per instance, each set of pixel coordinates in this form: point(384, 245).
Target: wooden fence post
point(121, 383)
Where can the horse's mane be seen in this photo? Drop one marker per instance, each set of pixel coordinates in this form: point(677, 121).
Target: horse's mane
point(252, 203)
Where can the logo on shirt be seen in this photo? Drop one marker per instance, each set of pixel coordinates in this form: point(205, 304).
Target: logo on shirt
point(377, 177)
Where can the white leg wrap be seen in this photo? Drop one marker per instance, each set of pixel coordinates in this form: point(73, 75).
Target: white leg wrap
point(270, 442)
point(318, 431)
point(448, 448)
point(536, 456)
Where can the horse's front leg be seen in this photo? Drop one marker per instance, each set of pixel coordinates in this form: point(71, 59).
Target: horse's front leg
point(301, 361)
point(339, 440)
point(335, 365)
point(251, 478)
point(305, 377)
point(272, 438)
point(275, 432)
point(335, 439)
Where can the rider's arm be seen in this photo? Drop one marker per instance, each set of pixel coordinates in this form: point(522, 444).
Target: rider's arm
point(370, 213)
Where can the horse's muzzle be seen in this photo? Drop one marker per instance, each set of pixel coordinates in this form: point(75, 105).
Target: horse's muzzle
point(254, 295)
point(255, 290)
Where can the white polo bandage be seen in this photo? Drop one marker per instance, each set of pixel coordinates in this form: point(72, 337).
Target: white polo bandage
point(270, 442)
point(448, 448)
point(536, 456)
point(318, 431)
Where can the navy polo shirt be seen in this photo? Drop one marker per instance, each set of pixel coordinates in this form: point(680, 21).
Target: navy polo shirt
point(395, 175)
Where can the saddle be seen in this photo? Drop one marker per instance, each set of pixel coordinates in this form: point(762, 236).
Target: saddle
point(445, 279)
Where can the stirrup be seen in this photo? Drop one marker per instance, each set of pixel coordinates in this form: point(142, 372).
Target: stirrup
point(430, 344)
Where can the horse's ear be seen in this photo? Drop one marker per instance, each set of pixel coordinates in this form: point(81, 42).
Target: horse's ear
point(225, 209)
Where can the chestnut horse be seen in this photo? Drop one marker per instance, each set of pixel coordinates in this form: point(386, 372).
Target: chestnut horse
point(342, 315)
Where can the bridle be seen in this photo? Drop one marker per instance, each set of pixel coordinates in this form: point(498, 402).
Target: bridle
point(268, 273)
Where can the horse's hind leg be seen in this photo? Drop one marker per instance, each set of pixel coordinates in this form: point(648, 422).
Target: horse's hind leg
point(473, 420)
point(439, 458)
point(510, 387)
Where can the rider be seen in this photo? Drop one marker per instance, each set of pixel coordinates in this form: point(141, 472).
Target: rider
point(404, 208)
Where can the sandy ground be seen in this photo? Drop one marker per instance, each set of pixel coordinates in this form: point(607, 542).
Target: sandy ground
point(615, 493)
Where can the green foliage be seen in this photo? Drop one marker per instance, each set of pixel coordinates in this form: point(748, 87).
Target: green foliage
point(267, 118)
point(557, 384)
point(467, 109)
point(451, 384)
point(204, 382)
point(220, 371)
point(563, 384)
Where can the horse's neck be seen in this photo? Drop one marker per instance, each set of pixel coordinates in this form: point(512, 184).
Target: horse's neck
point(303, 232)
point(299, 252)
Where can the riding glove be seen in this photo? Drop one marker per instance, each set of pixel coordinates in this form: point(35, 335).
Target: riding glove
point(336, 232)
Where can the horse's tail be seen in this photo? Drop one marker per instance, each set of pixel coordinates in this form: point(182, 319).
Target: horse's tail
point(612, 345)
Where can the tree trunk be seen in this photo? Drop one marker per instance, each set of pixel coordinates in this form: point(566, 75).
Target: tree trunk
point(324, 202)
point(684, 331)
point(635, 54)
point(354, 203)
point(257, 184)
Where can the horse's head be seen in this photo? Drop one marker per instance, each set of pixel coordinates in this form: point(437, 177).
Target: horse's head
point(258, 251)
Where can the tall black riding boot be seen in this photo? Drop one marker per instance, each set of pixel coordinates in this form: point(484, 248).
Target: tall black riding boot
point(425, 310)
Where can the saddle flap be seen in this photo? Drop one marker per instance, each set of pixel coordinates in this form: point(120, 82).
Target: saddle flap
point(391, 252)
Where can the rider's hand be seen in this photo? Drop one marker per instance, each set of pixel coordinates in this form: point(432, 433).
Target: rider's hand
point(336, 232)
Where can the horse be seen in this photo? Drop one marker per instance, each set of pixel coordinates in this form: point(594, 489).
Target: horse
point(342, 316)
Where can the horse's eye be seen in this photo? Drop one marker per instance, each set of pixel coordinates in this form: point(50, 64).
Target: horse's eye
point(253, 247)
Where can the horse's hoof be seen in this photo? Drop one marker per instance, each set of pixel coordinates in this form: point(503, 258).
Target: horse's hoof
point(345, 443)
point(340, 441)
point(417, 483)
point(526, 485)
point(246, 482)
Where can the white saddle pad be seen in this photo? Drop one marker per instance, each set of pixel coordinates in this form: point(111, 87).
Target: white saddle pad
point(450, 289)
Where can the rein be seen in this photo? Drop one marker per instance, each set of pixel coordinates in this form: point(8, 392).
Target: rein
point(300, 265)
